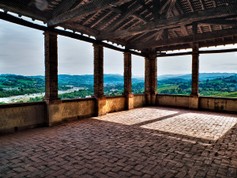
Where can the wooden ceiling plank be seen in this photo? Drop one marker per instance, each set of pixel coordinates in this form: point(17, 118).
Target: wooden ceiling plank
point(101, 19)
point(190, 5)
point(202, 4)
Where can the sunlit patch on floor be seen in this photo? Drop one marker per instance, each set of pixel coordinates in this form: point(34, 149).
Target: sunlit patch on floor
point(204, 126)
point(137, 116)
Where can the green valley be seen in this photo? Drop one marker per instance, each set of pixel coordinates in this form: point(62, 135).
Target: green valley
point(18, 88)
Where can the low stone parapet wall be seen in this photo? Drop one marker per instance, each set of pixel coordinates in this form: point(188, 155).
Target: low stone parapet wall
point(15, 117)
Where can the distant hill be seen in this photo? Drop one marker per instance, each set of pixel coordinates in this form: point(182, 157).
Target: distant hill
point(202, 76)
point(12, 80)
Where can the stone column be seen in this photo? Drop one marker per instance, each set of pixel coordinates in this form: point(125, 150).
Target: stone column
point(195, 70)
point(151, 79)
point(99, 80)
point(193, 103)
point(51, 67)
point(128, 80)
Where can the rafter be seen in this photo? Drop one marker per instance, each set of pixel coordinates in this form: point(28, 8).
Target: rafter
point(175, 21)
point(86, 9)
point(184, 30)
point(124, 15)
point(171, 8)
point(139, 17)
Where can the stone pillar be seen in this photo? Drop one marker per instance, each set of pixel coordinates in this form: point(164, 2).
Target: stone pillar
point(99, 80)
point(193, 103)
point(51, 67)
point(128, 80)
point(151, 79)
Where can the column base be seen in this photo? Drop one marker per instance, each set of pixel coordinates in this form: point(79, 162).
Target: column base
point(50, 103)
point(150, 99)
point(129, 101)
point(53, 101)
point(194, 102)
point(101, 108)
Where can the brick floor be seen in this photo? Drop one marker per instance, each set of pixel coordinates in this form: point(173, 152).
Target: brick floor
point(145, 142)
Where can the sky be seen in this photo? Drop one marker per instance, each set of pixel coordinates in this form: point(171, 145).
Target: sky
point(22, 52)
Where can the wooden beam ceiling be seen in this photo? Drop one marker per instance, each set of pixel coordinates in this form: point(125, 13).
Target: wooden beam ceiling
point(164, 23)
point(185, 40)
point(139, 24)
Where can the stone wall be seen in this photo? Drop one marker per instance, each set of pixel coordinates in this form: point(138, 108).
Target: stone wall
point(218, 104)
point(173, 101)
point(71, 109)
point(114, 104)
point(21, 116)
point(29, 115)
point(202, 103)
point(139, 101)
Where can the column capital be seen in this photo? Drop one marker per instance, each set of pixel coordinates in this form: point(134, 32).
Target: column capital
point(150, 53)
point(50, 33)
point(195, 48)
point(97, 45)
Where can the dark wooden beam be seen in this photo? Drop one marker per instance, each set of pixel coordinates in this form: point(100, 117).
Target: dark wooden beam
point(200, 52)
point(64, 6)
point(89, 8)
point(29, 11)
point(218, 51)
point(185, 19)
point(219, 22)
point(22, 22)
point(156, 9)
point(81, 28)
point(174, 54)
